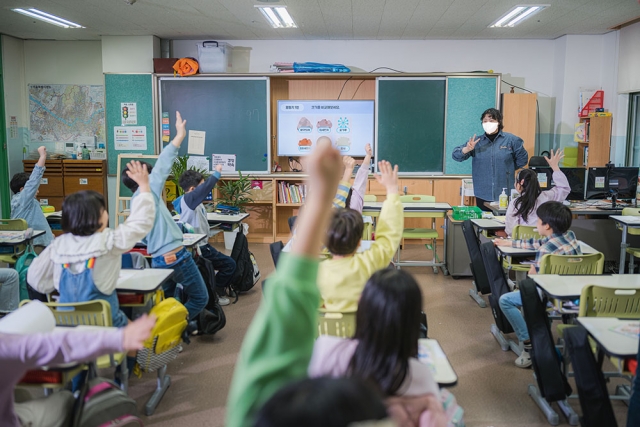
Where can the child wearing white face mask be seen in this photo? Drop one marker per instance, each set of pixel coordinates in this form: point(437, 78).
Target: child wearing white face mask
point(496, 155)
point(522, 209)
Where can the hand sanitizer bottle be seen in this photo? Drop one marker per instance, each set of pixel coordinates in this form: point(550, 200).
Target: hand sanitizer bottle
point(504, 199)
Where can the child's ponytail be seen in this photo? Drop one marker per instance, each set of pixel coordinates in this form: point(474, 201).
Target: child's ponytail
point(526, 203)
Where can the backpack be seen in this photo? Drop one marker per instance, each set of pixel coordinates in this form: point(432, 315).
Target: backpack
point(102, 403)
point(22, 266)
point(247, 272)
point(211, 319)
point(164, 343)
point(498, 285)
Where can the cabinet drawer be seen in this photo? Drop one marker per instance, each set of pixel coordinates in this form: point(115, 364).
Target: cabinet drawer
point(79, 183)
point(422, 187)
point(52, 186)
point(56, 202)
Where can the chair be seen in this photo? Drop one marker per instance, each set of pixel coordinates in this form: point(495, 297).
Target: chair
point(633, 252)
point(572, 264)
point(367, 234)
point(480, 280)
point(91, 313)
point(10, 254)
point(421, 233)
point(292, 222)
point(275, 249)
point(336, 324)
point(370, 198)
point(520, 232)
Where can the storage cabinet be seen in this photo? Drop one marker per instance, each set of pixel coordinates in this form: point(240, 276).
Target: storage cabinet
point(51, 191)
point(594, 150)
point(519, 111)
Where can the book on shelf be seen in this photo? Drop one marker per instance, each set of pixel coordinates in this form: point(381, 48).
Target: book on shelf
point(291, 193)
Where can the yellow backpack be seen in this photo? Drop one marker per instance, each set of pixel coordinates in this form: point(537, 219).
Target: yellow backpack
point(164, 343)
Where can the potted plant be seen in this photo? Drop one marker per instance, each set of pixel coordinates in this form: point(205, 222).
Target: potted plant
point(235, 193)
point(179, 166)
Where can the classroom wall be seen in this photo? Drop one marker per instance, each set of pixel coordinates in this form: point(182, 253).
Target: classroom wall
point(628, 75)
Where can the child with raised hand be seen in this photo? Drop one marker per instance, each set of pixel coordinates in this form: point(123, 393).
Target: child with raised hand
point(342, 278)
point(164, 242)
point(192, 212)
point(84, 263)
point(355, 200)
point(24, 204)
point(553, 223)
point(344, 187)
point(522, 209)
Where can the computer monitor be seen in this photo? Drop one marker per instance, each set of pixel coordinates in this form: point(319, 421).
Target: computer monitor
point(624, 182)
point(575, 176)
point(597, 185)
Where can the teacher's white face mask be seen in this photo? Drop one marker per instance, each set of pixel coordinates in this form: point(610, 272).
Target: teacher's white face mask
point(490, 127)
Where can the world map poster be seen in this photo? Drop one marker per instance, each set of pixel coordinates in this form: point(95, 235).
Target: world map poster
point(66, 113)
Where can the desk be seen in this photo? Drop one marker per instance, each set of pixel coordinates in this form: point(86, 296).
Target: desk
point(487, 224)
point(365, 245)
point(570, 287)
point(615, 336)
point(143, 281)
point(17, 238)
point(523, 253)
point(579, 209)
point(625, 222)
point(431, 354)
point(418, 210)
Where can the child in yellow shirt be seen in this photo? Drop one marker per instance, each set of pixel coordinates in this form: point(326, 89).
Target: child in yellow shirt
point(342, 278)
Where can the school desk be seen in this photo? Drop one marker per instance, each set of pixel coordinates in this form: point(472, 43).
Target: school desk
point(135, 288)
point(577, 208)
point(17, 238)
point(418, 210)
point(488, 225)
point(222, 220)
point(616, 337)
point(431, 354)
point(570, 287)
point(625, 222)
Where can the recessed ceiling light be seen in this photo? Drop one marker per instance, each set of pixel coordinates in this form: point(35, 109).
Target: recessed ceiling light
point(47, 17)
point(277, 16)
point(518, 14)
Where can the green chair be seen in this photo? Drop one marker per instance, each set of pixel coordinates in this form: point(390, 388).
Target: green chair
point(368, 226)
point(633, 252)
point(370, 198)
point(520, 232)
point(336, 323)
point(572, 264)
point(421, 233)
point(13, 252)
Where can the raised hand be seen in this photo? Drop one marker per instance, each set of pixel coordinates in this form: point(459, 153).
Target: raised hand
point(219, 168)
point(388, 176)
point(42, 150)
point(324, 161)
point(471, 144)
point(139, 173)
point(181, 130)
point(554, 159)
point(368, 150)
point(137, 332)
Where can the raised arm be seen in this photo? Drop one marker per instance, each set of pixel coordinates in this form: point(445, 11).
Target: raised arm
point(340, 199)
point(162, 169)
point(200, 193)
point(464, 151)
point(31, 186)
point(277, 350)
point(360, 182)
point(562, 188)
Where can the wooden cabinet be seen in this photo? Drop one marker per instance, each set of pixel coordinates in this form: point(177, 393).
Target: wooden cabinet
point(519, 112)
point(594, 151)
point(85, 175)
point(51, 190)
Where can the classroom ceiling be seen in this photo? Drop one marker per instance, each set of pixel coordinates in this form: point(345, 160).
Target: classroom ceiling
point(317, 19)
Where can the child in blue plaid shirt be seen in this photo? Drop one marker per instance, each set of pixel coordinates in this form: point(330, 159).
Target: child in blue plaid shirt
point(554, 220)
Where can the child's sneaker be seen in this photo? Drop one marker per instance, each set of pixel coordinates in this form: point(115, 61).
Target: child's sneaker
point(524, 360)
point(224, 301)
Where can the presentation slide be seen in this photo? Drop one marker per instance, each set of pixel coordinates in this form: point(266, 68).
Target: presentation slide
point(348, 124)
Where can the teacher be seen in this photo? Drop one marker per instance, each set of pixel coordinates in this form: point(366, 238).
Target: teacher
point(496, 156)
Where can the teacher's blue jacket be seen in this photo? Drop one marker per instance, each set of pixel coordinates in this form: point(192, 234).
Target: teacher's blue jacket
point(494, 163)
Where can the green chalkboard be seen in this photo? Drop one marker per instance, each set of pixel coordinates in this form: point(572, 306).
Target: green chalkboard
point(122, 190)
point(234, 113)
point(119, 88)
point(411, 118)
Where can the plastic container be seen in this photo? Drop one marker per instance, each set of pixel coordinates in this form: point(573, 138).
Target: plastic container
point(504, 199)
point(213, 57)
point(460, 213)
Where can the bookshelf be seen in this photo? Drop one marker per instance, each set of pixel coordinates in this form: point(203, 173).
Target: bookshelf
point(593, 150)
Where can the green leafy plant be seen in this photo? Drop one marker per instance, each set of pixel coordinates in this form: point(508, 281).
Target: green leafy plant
point(178, 167)
point(235, 192)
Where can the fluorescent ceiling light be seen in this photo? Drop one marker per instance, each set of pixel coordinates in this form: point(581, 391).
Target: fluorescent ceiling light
point(277, 16)
point(47, 17)
point(518, 14)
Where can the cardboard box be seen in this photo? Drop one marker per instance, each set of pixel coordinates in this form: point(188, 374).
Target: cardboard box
point(261, 191)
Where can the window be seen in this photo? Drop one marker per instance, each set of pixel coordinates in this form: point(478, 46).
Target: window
point(633, 142)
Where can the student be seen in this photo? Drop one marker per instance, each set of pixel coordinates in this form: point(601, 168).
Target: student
point(22, 352)
point(355, 200)
point(344, 187)
point(192, 212)
point(342, 278)
point(384, 349)
point(522, 210)
point(554, 221)
point(84, 263)
point(24, 204)
point(164, 242)
point(9, 290)
point(269, 386)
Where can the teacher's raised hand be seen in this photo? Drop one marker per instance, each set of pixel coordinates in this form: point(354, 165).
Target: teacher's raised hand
point(471, 144)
